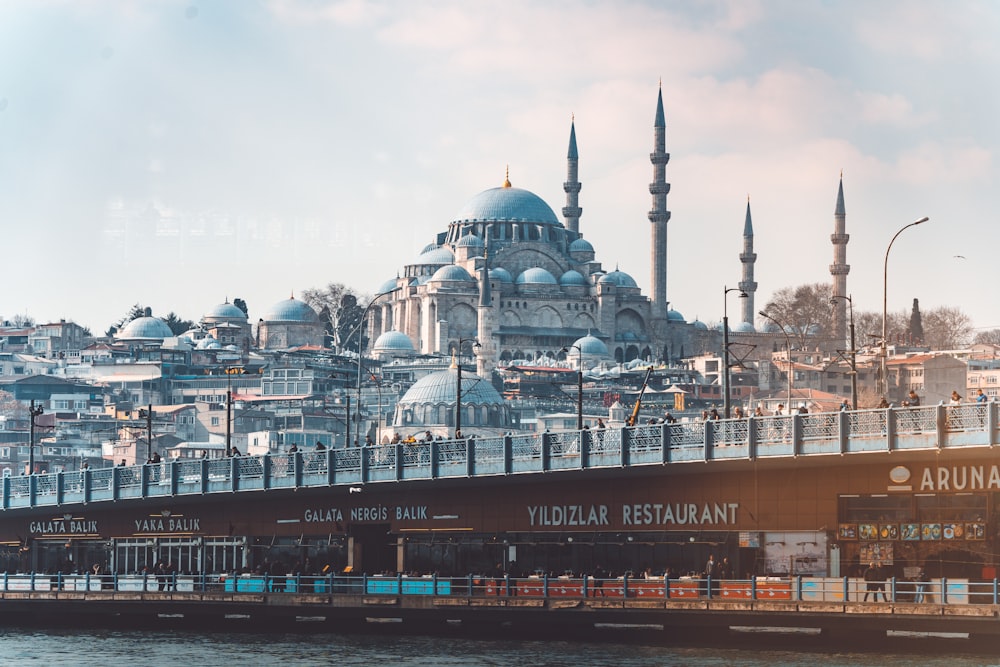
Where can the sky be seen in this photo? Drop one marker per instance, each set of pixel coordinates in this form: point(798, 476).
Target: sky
point(181, 154)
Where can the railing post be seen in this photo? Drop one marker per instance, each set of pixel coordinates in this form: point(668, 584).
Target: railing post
point(665, 432)
point(796, 433)
point(32, 581)
point(753, 587)
point(666, 586)
point(942, 424)
point(753, 425)
point(59, 488)
point(545, 585)
point(625, 586)
point(331, 466)
point(583, 588)
point(144, 471)
point(399, 583)
point(470, 457)
point(847, 589)
point(844, 429)
point(470, 585)
point(546, 445)
point(708, 587)
point(586, 437)
point(628, 437)
point(892, 588)
point(944, 590)
point(204, 476)
point(995, 591)
point(265, 464)
point(174, 467)
point(890, 429)
point(32, 489)
point(399, 460)
point(234, 473)
point(798, 587)
point(508, 454)
point(363, 462)
point(6, 493)
point(435, 453)
point(506, 584)
point(708, 439)
point(991, 421)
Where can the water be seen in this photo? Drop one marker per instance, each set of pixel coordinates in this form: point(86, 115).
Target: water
point(192, 649)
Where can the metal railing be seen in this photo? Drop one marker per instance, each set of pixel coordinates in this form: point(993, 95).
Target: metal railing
point(846, 432)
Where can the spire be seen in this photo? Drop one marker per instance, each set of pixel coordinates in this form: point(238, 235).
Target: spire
point(659, 122)
point(506, 178)
point(748, 224)
point(572, 139)
point(748, 258)
point(840, 197)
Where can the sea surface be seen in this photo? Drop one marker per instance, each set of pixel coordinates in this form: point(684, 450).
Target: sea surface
point(245, 649)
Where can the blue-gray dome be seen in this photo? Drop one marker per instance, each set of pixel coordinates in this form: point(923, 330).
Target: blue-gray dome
point(470, 241)
point(226, 311)
point(592, 345)
point(674, 316)
point(501, 274)
point(619, 278)
point(507, 204)
point(536, 276)
point(439, 387)
point(291, 310)
point(393, 341)
point(437, 255)
point(208, 343)
point(572, 277)
point(451, 272)
point(387, 286)
point(151, 328)
point(699, 325)
point(429, 247)
point(581, 245)
point(743, 327)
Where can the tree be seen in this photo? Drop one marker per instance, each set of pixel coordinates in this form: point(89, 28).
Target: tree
point(177, 325)
point(135, 312)
point(989, 337)
point(242, 305)
point(340, 310)
point(24, 321)
point(868, 325)
point(916, 324)
point(947, 328)
point(805, 310)
point(11, 408)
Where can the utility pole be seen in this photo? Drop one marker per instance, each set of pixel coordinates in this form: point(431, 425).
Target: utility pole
point(32, 413)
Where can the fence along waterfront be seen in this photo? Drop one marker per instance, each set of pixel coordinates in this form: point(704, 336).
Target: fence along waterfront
point(973, 425)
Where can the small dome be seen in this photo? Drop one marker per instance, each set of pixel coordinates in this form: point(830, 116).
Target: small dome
point(429, 247)
point(152, 328)
point(393, 341)
point(619, 278)
point(451, 272)
point(507, 204)
point(572, 277)
point(536, 276)
point(674, 316)
point(437, 255)
point(581, 245)
point(469, 241)
point(387, 286)
point(699, 325)
point(502, 275)
point(592, 345)
point(291, 310)
point(227, 311)
point(208, 343)
point(743, 327)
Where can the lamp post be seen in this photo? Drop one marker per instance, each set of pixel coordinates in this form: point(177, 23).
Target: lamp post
point(726, 400)
point(33, 412)
point(458, 384)
point(148, 414)
point(883, 380)
point(579, 385)
point(853, 351)
point(361, 338)
point(788, 351)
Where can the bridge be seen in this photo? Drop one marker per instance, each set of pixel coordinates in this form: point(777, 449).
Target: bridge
point(972, 426)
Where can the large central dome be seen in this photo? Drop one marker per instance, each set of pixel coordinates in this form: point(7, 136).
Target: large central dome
point(507, 204)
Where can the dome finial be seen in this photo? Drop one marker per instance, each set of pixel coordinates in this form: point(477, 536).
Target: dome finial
point(506, 178)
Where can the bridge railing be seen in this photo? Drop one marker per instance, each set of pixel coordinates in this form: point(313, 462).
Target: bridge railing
point(846, 432)
point(802, 589)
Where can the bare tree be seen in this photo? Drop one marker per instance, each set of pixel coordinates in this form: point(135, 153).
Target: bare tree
point(339, 308)
point(947, 328)
point(23, 321)
point(805, 310)
point(11, 408)
point(990, 336)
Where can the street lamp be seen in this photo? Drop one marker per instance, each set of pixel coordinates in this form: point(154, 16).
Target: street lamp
point(148, 414)
point(33, 412)
point(853, 351)
point(458, 384)
point(579, 385)
point(788, 351)
point(361, 338)
point(725, 345)
point(883, 380)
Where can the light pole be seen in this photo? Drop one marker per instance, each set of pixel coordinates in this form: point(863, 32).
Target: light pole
point(458, 384)
point(361, 338)
point(853, 351)
point(788, 352)
point(726, 400)
point(579, 385)
point(148, 414)
point(883, 380)
point(33, 412)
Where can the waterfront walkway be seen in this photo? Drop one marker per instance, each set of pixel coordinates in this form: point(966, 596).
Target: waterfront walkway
point(939, 427)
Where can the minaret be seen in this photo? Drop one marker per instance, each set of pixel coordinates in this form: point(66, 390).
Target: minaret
point(839, 269)
point(486, 352)
point(659, 215)
point(571, 211)
point(748, 257)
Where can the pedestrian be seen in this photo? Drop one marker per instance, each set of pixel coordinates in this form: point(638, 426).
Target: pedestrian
point(320, 446)
point(780, 411)
point(844, 405)
point(714, 414)
point(956, 398)
point(913, 399)
point(980, 396)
